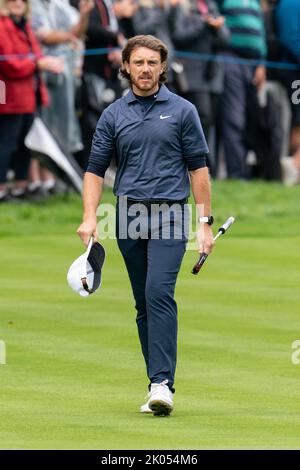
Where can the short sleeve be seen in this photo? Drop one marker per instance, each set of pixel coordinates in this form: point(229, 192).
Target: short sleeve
point(193, 140)
point(103, 146)
point(194, 144)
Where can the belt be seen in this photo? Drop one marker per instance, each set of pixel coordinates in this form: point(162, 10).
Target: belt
point(151, 202)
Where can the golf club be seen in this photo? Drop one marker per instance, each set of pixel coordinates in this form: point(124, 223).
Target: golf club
point(203, 256)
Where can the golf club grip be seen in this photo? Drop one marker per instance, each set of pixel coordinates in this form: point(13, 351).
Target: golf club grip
point(199, 264)
point(203, 256)
point(226, 225)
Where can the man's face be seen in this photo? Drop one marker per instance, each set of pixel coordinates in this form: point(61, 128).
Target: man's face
point(144, 68)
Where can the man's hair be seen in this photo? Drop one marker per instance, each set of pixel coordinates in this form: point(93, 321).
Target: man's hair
point(150, 42)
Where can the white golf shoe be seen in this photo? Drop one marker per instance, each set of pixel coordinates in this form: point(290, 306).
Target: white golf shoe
point(145, 408)
point(161, 399)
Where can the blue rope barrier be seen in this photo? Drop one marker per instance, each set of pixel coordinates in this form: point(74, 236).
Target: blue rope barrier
point(182, 55)
point(236, 60)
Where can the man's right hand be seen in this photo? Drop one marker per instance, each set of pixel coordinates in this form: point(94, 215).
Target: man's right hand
point(88, 229)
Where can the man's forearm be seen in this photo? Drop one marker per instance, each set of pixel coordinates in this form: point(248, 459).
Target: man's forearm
point(201, 189)
point(81, 27)
point(54, 37)
point(202, 194)
point(92, 192)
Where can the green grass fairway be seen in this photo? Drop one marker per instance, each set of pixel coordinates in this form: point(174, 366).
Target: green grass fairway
point(75, 377)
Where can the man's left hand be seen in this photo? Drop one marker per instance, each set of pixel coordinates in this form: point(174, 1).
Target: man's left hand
point(205, 238)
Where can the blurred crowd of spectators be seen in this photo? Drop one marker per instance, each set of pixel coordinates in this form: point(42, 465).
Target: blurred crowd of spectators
point(217, 55)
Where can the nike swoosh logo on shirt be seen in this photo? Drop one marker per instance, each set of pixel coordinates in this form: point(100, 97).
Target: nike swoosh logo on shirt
point(164, 117)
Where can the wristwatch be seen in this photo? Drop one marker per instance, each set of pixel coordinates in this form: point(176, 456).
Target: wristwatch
point(208, 219)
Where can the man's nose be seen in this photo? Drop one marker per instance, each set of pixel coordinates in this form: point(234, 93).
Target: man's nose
point(145, 67)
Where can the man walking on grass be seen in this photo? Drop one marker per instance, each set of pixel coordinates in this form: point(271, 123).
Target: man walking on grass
point(160, 150)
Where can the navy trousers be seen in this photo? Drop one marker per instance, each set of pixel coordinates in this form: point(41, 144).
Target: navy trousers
point(153, 265)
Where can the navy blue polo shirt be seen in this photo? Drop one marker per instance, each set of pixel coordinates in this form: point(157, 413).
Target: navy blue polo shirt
point(155, 147)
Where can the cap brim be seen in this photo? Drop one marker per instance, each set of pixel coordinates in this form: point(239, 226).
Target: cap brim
point(96, 259)
point(84, 275)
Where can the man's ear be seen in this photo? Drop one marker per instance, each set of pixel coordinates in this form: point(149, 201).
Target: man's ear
point(163, 67)
point(127, 67)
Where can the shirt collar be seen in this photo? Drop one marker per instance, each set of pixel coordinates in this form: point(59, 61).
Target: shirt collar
point(163, 95)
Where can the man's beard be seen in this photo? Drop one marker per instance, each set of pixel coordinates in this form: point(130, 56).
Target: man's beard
point(138, 84)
